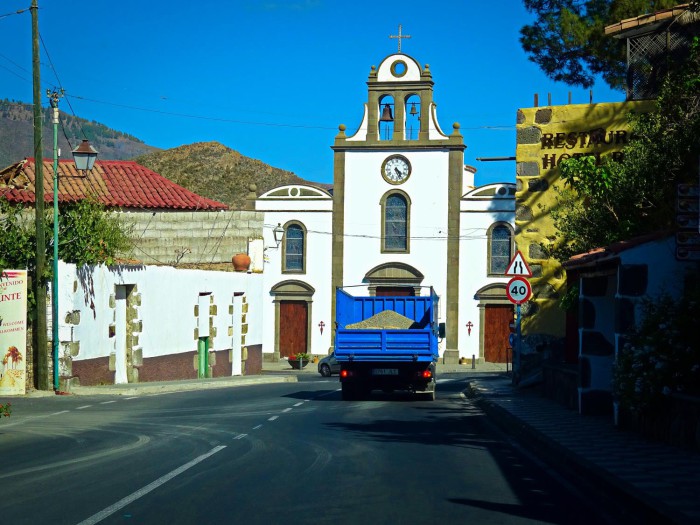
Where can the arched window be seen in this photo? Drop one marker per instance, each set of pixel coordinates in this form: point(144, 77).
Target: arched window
point(386, 118)
point(395, 222)
point(293, 258)
point(500, 248)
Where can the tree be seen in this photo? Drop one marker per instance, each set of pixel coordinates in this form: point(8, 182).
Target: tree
point(88, 234)
point(613, 201)
point(568, 42)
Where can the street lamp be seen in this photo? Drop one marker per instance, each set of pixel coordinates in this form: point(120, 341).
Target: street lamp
point(84, 156)
point(278, 234)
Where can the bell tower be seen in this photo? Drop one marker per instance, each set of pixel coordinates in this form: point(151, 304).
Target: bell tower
point(397, 184)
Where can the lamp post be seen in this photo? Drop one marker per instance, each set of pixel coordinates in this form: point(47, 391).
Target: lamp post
point(84, 156)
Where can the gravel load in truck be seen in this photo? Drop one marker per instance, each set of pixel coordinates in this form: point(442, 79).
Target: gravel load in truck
point(385, 320)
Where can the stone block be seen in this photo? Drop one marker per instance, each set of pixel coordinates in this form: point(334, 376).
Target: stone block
point(73, 348)
point(520, 117)
point(544, 291)
point(73, 317)
point(244, 328)
point(196, 310)
point(212, 358)
point(212, 332)
point(543, 116)
point(531, 135)
point(112, 301)
point(624, 315)
point(594, 286)
point(634, 279)
point(535, 185)
point(594, 343)
point(535, 251)
point(212, 309)
point(230, 331)
point(523, 213)
point(137, 357)
point(137, 325)
point(112, 330)
point(112, 366)
point(527, 169)
point(196, 334)
point(536, 269)
point(135, 299)
point(586, 314)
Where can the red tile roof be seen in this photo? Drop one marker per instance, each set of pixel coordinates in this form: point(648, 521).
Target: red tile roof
point(648, 19)
point(611, 253)
point(115, 183)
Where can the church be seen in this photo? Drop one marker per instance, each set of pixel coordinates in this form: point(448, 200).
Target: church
point(403, 216)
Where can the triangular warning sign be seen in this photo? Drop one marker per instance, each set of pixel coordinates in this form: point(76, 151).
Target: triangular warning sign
point(518, 266)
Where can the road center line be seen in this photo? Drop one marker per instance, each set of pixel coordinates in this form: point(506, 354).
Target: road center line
point(96, 518)
point(286, 410)
point(61, 412)
point(107, 402)
point(84, 406)
point(240, 436)
point(259, 426)
point(299, 404)
point(273, 418)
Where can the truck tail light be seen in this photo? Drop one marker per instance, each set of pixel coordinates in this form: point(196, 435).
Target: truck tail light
point(427, 374)
point(344, 373)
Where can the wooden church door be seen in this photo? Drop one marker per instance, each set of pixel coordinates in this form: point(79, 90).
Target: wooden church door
point(496, 331)
point(293, 327)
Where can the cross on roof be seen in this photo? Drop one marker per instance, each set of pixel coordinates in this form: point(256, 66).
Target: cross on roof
point(399, 37)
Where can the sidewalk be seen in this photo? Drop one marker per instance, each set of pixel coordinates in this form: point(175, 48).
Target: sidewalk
point(661, 480)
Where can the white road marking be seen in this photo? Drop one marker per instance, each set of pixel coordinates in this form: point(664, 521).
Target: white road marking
point(240, 436)
point(286, 410)
point(273, 418)
point(107, 402)
point(84, 406)
point(130, 398)
point(96, 518)
point(61, 412)
point(299, 404)
point(259, 426)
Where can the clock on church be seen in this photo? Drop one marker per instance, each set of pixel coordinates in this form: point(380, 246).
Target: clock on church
point(396, 169)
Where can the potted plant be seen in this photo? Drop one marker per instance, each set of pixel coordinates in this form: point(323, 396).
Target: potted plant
point(299, 360)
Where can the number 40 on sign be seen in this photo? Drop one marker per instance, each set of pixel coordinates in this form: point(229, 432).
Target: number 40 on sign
point(518, 290)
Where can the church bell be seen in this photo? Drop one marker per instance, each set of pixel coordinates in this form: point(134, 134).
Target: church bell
point(386, 114)
point(413, 111)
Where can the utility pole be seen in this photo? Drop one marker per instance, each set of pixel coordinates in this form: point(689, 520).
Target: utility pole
point(39, 330)
point(53, 99)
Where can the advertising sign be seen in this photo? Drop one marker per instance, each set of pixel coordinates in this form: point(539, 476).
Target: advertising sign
point(13, 332)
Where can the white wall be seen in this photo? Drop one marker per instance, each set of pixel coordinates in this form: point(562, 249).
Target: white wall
point(168, 297)
point(478, 214)
point(315, 213)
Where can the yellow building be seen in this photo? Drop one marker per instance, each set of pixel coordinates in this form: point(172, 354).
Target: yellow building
point(546, 136)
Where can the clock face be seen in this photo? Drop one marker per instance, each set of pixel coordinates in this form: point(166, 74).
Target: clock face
point(396, 169)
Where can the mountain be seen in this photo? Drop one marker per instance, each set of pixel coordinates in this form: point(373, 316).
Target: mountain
point(17, 135)
point(209, 169)
point(217, 172)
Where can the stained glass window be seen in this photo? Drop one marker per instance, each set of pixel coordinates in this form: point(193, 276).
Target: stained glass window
point(294, 248)
point(396, 223)
point(500, 249)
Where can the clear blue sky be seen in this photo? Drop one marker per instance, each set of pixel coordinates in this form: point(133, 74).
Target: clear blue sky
point(273, 79)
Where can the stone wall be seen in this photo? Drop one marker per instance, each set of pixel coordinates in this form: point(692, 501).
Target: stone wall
point(192, 237)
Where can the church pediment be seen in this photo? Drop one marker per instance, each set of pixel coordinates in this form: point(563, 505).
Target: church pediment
point(296, 191)
point(394, 272)
point(292, 288)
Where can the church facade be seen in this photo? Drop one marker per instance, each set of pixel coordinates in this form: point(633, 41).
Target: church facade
point(403, 216)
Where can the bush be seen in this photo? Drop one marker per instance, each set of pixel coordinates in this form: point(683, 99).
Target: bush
point(661, 356)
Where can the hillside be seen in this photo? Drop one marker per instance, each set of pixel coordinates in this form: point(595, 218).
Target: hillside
point(17, 135)
point(212, 170)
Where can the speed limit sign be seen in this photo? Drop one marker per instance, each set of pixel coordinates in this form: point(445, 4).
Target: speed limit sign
point(518, 290)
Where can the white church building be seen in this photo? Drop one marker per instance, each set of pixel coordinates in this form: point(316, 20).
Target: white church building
point(403, 216)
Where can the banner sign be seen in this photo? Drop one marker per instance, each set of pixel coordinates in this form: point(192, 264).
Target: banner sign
point(13, 332)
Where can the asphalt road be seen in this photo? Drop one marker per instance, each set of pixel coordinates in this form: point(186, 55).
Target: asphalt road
point(278, 453)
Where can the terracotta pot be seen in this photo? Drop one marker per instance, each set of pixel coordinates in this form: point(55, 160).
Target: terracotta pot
point(241, 262)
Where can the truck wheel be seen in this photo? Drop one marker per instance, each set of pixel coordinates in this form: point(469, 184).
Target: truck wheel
point(348, 392)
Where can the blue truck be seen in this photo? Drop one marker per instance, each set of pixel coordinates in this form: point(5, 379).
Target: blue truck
point(374, 356)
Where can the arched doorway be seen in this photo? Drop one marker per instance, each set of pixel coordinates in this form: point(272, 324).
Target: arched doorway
point(495, 316)
point(292, 301)
point(394, 278)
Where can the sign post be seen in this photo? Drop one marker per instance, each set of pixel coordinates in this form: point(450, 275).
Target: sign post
point(518, 291)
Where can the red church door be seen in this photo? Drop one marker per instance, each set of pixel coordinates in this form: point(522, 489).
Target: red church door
point(496, 332)
point(293, 327)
